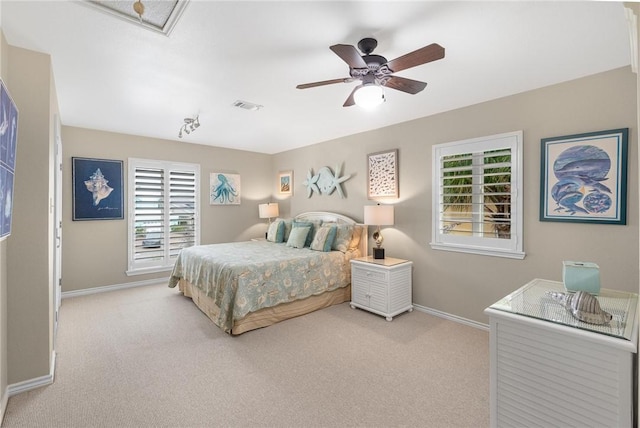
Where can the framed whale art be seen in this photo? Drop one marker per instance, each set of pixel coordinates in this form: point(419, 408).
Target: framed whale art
point(97, 189)
point(583, 178)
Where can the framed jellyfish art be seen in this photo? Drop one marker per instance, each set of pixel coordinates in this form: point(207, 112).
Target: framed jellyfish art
point(583, 178)
point(97, 189)
point(224, 189)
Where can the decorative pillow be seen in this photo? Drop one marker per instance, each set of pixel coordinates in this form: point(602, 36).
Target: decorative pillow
point(276, 232)
point(324, 238)
point(344, 232)
point(298, 236)
point(355, 239)
point(288, 223)
point(313, 226)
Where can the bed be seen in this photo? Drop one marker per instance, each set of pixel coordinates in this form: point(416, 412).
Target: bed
point(242, 286)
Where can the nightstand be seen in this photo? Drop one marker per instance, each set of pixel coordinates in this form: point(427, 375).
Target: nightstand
point(381, 286)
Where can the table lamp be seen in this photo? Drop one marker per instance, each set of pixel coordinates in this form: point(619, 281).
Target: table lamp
point(268, 211)
point(378, 215)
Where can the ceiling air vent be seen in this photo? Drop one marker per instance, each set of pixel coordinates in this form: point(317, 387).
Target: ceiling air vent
point(247, 105)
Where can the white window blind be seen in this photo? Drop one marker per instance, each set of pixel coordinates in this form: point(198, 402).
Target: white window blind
point(477, 198)
point(163, 213)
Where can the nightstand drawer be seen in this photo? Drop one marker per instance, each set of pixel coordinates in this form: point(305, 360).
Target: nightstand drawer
point(362, 274)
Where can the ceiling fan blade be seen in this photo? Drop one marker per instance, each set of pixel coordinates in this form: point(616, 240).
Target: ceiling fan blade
point(421, 56)
point(325, 82)
point(405, 85)
point(351, 100)
point(350, 55)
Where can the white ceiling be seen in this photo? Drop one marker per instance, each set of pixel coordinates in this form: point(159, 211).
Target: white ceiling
point(116, 76)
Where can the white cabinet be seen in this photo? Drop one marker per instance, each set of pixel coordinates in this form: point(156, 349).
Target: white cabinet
point(381, 286)
point(550, 369)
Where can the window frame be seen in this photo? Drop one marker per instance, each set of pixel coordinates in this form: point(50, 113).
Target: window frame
point(166, 262)
point(498, 247)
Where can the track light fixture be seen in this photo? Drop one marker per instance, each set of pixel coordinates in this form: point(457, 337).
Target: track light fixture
point(189, 125)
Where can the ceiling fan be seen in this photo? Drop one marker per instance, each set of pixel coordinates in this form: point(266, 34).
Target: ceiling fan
point(374, 71)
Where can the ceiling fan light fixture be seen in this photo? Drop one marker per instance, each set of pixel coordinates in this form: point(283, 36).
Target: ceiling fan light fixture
point(369, 96)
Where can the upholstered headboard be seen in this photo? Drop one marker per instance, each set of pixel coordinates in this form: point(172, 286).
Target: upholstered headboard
point(340, 219)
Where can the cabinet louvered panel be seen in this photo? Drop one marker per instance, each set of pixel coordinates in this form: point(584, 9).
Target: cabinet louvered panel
point(544, 377)
point(399, 293)
point(378, 296)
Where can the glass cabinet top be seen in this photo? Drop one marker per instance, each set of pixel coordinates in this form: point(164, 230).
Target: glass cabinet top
point(533, 301)
point(387, 261)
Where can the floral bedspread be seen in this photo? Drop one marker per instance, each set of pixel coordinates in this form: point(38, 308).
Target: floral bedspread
point(243, 277)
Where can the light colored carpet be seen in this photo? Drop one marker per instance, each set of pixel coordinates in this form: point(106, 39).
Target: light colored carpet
point(147, 356)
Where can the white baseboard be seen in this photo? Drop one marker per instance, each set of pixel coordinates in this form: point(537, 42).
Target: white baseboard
point(104, 289)
point(450, 317)
point(28, 385)
point(3, 404)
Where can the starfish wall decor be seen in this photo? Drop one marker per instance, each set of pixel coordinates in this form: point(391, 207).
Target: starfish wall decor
point(325, 181)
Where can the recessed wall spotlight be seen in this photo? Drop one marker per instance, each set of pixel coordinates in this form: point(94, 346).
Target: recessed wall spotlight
point(190, 124)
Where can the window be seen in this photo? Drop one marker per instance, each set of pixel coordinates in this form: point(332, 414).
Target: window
point(163, 213)
point(477, 196)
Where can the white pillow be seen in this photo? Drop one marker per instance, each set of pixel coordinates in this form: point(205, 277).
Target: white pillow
point(298, 236)
point(276, 231)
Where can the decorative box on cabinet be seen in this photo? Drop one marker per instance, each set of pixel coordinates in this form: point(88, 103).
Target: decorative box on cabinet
point(550, 369)
point(381, 286)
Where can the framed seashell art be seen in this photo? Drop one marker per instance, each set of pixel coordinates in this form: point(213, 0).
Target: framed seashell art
point(97, 189)
point(382, 174)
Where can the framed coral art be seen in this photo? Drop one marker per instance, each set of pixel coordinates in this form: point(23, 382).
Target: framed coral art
point(382, 174)
point(97, 189)
point(584, 178)
point(285, 183)
point(224, 189)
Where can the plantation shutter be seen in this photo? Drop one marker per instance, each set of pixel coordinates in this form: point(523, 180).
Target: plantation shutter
point(163, 213)
point(475, 191)
point(477, 197)
point(182, 214)
point(149, 215)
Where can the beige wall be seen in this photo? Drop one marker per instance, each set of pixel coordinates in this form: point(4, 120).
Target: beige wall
point(95, 252)
point(463, 284)
point(29, 275)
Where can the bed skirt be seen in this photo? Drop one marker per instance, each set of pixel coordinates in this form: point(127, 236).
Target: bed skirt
point(267, 316)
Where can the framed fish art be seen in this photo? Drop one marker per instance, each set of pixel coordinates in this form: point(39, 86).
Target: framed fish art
point(97, 189)
point(583, 178)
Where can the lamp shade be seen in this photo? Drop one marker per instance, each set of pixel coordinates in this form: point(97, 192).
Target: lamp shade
point(269, 210)
point(378, 215)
